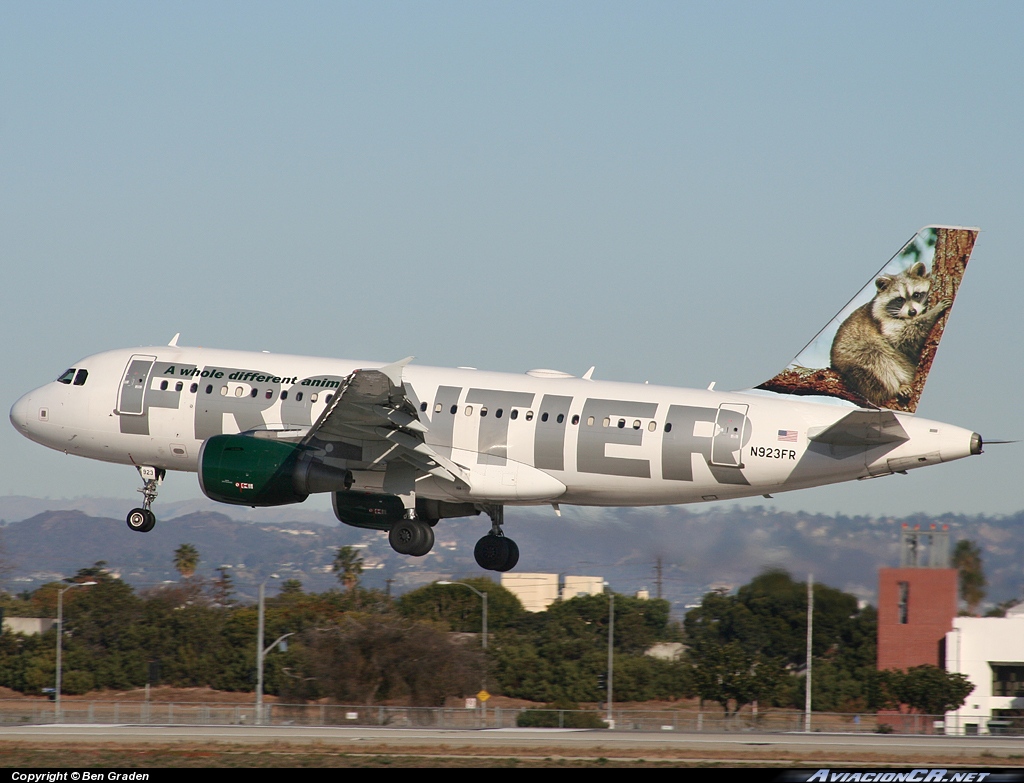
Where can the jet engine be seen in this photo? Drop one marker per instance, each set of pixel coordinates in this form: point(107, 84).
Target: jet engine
point(250, 471)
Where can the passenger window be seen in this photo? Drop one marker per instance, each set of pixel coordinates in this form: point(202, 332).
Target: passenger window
point(163, 385)
point(529, 415)
point(590, 421)
point(561, 418)
point(575, 420)
point(469, 410)
point(270, 394)
point(238, 391)
point(437, 408)
point(223, 391)
point(81, 377)
point(497, 413)
point(209, 389)
point(284, 395)
point(668, 426)
point(454, 410)
point(328, 398)
point(607, 423)
point(298, 398)
point(636, 426)
point(622, 423)
point(543, 417)
point(194, 388)
point(254, 393)
point(514, 414)
point(483, 411)
point(314, 397)
point(178, 386)
point(652, 426)
point(423, 407)
point(67, 376)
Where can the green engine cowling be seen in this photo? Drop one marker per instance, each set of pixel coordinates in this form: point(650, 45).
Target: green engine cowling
point(250, 471)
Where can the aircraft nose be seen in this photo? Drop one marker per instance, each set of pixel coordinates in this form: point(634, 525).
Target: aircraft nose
point(20, 413)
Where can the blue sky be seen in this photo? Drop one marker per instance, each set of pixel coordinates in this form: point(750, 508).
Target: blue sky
point(680, 193)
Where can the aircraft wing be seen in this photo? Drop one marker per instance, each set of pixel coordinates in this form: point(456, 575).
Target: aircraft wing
point(372, 411)
point(862, 428)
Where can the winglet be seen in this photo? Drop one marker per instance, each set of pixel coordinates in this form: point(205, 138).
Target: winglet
point(877, 352)
point(174, 340)
point(394, 370)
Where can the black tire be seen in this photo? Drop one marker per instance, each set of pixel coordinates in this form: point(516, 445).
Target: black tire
point(426, 540)
point(491, 552)
point(512, 558)
point(406, 536)
point(137, 520)
point(150, 523)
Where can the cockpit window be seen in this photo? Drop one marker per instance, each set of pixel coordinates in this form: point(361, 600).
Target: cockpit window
point(81, 378)
point(67, 376)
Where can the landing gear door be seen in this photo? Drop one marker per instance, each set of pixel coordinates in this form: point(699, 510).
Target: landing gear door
point(730, 429)
point(131, 396)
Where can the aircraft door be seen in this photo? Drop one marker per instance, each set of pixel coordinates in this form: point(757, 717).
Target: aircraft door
point(730, 429)
point(131, 396)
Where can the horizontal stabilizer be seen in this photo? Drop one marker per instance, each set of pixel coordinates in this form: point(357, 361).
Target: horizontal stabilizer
point(862, 428)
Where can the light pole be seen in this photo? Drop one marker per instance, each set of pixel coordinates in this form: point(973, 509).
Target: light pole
point(60, 640)
point(611, 654)
point(261, 652)
point(483, 686)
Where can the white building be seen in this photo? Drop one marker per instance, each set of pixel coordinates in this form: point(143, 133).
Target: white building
point(537, 592)
point(990, 652)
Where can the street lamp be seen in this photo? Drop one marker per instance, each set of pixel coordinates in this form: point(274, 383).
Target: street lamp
point(261, 652)
point(483, 595)
point(60, 639)
point(611, 654)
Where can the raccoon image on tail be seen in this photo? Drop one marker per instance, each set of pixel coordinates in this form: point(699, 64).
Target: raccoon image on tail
point(877, 349)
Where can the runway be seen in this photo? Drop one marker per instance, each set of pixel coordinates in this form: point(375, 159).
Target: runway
point(741, 747)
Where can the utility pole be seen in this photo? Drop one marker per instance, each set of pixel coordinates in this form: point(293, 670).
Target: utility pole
point(810, 632)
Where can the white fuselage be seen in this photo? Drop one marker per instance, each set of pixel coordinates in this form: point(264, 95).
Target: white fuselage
point(532, 438)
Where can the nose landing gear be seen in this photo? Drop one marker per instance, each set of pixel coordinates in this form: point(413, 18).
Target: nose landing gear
point(494, 551)
point(142, 520)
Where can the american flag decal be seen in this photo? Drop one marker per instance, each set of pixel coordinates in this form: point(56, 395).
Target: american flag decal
point(787, 436)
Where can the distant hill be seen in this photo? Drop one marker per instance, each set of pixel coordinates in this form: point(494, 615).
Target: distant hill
point(717, 546)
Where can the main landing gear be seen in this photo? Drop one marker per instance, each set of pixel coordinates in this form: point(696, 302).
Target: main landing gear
point(142, 520)
point(495, 552)
point(412, 536)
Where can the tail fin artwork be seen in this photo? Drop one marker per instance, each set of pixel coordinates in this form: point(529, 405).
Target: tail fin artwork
point(878, 350)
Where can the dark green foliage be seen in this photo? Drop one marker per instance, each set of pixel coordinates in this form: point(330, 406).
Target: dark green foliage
point(460, 609)
point(973, 584)
point(561, 714)
point(926, 689)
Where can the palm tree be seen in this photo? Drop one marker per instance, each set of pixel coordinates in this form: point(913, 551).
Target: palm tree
point(186, 558)
point(348, 565)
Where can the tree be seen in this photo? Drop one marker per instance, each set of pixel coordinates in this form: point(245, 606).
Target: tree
point(967, 560)
point(460, 608)
point(732, 676)
point(186, 559)
point(348, 565)
point(926, 689)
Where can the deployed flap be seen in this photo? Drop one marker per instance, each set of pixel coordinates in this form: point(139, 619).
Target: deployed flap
point(879, 349)
point(862, 428)
point(371, 408)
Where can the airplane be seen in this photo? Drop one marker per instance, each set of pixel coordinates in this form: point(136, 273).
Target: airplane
point(401, 446)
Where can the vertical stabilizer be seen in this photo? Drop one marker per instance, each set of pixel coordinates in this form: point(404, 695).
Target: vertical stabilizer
point(878, 350)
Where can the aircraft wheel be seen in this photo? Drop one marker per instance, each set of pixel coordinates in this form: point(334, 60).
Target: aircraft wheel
point(426, 540)
point(491, 552)
point(141, 520)
point(408, 536)
point(512, 558)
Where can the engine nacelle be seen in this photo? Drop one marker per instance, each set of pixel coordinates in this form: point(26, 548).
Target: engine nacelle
point(250, 471)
